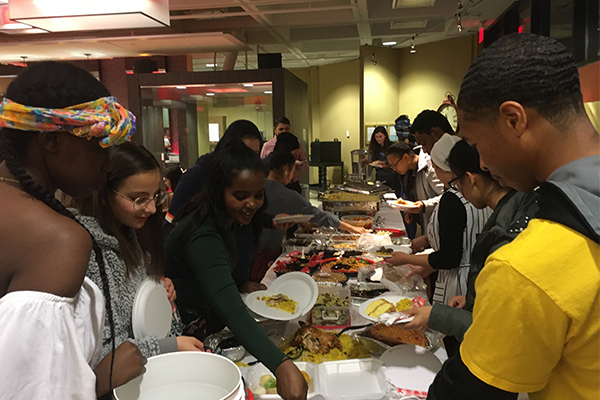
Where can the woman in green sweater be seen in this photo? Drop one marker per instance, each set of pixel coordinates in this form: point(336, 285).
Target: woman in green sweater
point(200, 256)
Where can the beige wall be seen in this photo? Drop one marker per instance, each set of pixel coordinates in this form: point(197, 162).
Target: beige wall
point(334, 108)
point(425, 76)
point(381, 85)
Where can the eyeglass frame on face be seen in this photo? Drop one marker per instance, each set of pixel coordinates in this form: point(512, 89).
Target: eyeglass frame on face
point(455, 182)
point(142, 202)
point(396, 163)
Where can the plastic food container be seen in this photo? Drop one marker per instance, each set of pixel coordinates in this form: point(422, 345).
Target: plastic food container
point(185, 376)
point(332, 309)
point(258, 370)
point(333, 380)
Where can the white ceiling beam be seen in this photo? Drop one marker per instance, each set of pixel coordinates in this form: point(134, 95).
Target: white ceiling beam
point(361, 15)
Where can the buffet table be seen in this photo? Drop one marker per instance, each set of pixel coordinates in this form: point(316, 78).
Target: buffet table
point(391, 219)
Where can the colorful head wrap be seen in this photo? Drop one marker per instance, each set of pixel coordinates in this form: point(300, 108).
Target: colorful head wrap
point(103, 118)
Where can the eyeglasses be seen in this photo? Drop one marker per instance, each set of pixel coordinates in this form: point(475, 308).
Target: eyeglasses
point(454, 183)
point(141, 203)
point(396, 163)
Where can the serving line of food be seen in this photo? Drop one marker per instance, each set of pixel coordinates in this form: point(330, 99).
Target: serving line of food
point(323, 307)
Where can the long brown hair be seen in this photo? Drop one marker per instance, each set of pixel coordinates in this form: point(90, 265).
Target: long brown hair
point(129, 159)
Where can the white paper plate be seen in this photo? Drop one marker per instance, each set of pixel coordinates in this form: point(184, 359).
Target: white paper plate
point(392, 298)
point(294, 218)
point(409, 206)
point(394, 247)
point(412, 367)
point(255, 303)
point(299, 286)
point(152, 311)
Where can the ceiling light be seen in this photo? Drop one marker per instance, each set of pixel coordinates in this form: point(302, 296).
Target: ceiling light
point(268, 91)
point(389, 43)
point(72, 15)
point(180, 87)
point(248, 84)
point(412, 46)
point(211, 65)
point(210, 94)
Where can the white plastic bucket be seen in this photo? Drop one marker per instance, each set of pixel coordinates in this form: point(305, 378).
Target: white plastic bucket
point(185, 376)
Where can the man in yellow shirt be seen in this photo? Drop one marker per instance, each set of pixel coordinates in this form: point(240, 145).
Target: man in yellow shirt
point(536, 325)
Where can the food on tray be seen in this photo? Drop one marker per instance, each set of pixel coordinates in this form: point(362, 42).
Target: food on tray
point(329, 277)
point(306, 376)
point(332, 308)
point(383, 232)
point(280, 302)
point(347, 196)
point(395, 334)
point(347, 348)
point(383, 251)
point(378, 307)
point(344, 238)
point(298, 263)
point(361, 221)
point(298, 242)
point(379, 163)
point(315, 340)
point(268, 385)
point(404, 304)
point(344, 246)
point(345, 264)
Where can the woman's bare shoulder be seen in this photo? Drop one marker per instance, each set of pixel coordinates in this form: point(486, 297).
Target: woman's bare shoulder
point(46, 251)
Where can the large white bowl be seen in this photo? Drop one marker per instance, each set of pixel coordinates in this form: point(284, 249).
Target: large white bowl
point(184, 376)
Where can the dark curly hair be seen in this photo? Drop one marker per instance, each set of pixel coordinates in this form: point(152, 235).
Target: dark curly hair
point(52, 84)
point(428, 119)
point(536, 71)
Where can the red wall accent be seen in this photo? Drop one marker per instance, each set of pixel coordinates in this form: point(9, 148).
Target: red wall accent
point(590, 82)
point(113, 76)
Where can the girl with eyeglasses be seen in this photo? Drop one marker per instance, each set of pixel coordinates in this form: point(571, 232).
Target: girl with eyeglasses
point(123, 218)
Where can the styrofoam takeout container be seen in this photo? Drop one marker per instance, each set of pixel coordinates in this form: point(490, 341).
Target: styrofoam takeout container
point(185, 375)
point(334, 380)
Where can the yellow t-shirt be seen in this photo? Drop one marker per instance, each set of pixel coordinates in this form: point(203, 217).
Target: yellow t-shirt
point(536, 325)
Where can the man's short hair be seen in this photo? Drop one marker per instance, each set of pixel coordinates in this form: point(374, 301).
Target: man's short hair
point(400, 149)
point(536, 71)
point(282, 120)
point(428, 119)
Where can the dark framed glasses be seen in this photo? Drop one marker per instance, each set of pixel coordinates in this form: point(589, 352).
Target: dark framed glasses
point(141, 203)
point(454, 183)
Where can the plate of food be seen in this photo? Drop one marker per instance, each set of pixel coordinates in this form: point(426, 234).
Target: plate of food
point(345, 265)
point(402, 204)
point(296, 262)
point(298, 286)
point(273, 305)
point(386, 251)
point(386, 303)
point(360, 221)
point(294, 218)
point(378, 164)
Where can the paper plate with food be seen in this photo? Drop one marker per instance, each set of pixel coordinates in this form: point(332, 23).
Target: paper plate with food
point(402, 204)
point(294, 218)
point(277, 306)
point(378, 164)
point(345, 265)
point(386, 251)
point(386, 303)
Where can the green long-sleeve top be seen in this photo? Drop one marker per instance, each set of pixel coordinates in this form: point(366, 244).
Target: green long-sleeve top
point(201, 272)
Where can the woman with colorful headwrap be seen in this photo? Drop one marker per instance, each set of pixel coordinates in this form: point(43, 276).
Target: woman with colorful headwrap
point(57, 122)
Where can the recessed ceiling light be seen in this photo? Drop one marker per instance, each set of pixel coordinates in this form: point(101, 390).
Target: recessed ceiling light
point(268, 91)
point(179, 87)
point(248, 84)
point(211, 65)
point(210, 94)
point(389, 43)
